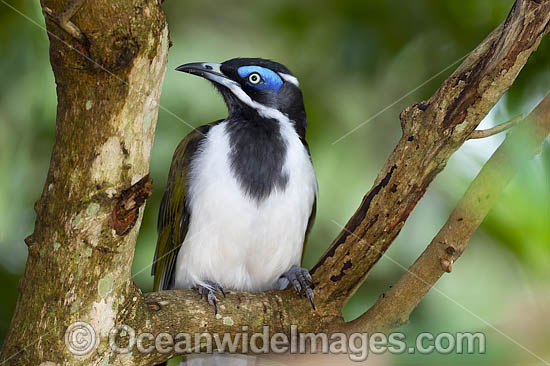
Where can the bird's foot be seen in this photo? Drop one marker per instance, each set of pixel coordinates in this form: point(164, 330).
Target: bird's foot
point(210, 289)
point(299, 278)
point(63, 20)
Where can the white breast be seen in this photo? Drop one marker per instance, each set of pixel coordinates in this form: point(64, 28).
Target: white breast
point(234, 240)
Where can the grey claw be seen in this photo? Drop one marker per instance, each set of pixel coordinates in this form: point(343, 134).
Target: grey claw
point(213, 300)
point(310, 295)
point(300, 279)
point(210, 291)
point(297, 286)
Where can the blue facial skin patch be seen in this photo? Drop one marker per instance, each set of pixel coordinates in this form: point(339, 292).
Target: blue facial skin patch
point(270, 79)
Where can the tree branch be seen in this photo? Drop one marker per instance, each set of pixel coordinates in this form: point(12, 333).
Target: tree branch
point(394, 307)
point(432, 132)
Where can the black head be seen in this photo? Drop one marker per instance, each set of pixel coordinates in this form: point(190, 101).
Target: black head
point(254, 85)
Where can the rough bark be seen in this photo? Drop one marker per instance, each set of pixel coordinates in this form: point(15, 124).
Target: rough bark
point(81, 251)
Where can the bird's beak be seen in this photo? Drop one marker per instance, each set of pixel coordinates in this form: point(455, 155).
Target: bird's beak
point(208, 70)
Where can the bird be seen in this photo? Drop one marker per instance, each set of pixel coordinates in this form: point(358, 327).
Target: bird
point(241, 194)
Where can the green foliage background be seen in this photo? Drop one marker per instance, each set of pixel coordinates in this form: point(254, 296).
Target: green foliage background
point(357, 61)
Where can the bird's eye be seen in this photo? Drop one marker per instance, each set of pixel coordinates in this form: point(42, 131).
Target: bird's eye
point(254, 78)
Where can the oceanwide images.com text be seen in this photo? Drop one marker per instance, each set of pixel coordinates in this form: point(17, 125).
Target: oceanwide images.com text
point(81, 339)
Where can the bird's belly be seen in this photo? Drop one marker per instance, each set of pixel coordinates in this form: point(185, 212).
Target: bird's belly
point(240, 246)
point(239, 242)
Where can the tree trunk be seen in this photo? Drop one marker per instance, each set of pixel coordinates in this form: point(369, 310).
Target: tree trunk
point(78, 267)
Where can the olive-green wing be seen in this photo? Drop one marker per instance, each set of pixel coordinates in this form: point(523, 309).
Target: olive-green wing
point(313, 213)
point(310, 222)
point(173, 219)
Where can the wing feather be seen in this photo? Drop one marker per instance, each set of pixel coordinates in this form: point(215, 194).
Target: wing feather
point(310, 222)
point(173, 219)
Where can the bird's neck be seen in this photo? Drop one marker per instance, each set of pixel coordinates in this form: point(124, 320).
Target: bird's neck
point(243, 113)
point(257, 155)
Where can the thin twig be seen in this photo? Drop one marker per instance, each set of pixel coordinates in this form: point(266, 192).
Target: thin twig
point(479, 134)
point(63, 20)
